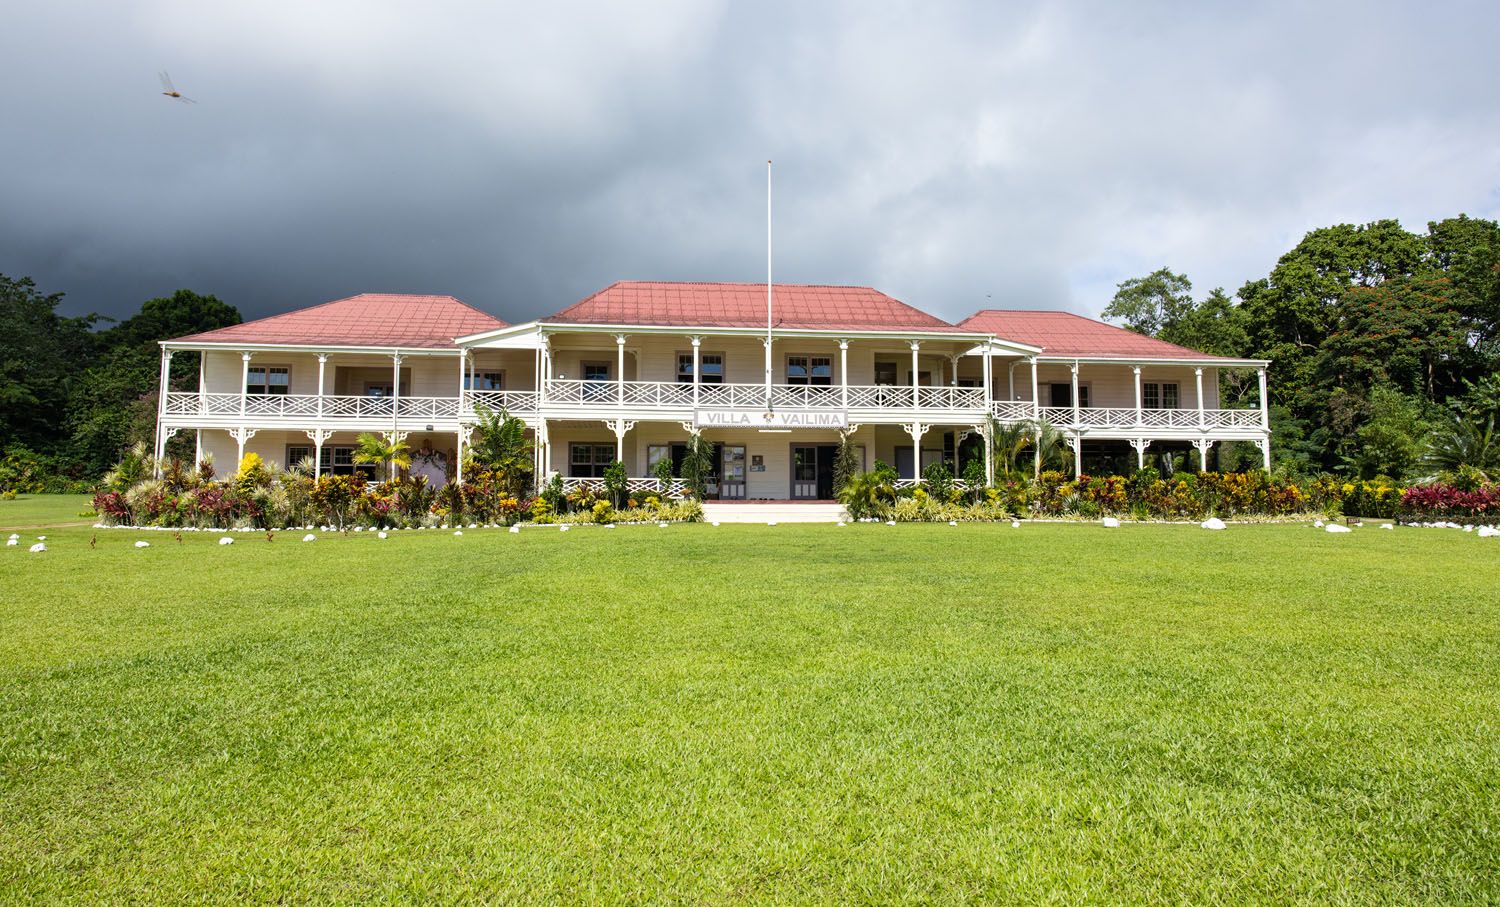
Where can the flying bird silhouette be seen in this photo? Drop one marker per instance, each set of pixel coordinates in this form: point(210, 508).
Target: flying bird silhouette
point(171, 91)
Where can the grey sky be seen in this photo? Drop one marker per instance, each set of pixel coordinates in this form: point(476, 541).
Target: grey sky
point(520, 157)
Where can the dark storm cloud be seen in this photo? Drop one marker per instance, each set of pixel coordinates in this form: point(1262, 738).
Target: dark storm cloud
point(1030, 155)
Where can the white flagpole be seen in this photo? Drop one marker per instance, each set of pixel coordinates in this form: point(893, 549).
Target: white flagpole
point(768, 285)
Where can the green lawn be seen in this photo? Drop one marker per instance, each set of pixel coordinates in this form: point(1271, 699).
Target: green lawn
point(30, 511)
point(1058, 713)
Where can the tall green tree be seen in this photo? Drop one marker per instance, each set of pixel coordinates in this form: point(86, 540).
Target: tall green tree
point(41, 353)
point(113, 403)
point(1152, 304)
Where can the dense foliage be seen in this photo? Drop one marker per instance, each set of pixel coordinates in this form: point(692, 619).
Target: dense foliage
point(258, 497)
point(1385, 345)
point(74, 394)
point(1148, 495)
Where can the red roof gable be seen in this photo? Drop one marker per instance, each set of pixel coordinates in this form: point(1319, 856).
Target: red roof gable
point(743, 305)
point(369, 319)
point(1066, 334)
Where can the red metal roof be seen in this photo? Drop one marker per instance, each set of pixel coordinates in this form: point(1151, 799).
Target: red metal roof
point(369, 319)
point(743, 305)
point(1066, 334)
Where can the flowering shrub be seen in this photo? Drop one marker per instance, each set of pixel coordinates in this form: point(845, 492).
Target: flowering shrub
point(1450, 503)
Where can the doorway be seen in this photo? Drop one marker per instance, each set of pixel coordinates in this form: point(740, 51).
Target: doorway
point(812, 471)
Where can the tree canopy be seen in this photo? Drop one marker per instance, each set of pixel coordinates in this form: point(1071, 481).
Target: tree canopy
point(1374, 332)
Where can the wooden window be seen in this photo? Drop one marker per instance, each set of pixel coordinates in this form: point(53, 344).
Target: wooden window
point(268, 379)
point(813, 370)
point(1155, 395)
point(484, 381)
point(337, 460)
point(885, 373)
point(711, 365)
point(595, 371)
point(1062, 395)
point(588, 461)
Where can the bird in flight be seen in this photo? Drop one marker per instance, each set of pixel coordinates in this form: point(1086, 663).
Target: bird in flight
point(171, 91)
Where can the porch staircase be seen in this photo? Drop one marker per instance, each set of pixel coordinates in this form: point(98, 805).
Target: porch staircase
point(773, 511)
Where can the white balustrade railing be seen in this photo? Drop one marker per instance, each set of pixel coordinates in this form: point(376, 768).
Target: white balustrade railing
point(674, 488)
point(679, 396)
point(1012, 410)
point(513, 402)
point(303, 407)
point(1088, 417)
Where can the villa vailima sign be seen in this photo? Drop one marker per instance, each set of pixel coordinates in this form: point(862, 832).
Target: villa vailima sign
point(779, 418)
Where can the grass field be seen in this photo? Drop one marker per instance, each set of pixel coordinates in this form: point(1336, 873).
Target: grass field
point(1056, 713)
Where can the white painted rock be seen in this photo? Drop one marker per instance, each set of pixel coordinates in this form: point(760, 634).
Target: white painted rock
point(1213, 523)
point(661, 525)
point(953, 522)
point(226, 540)
point(41, 538)
point(840, 524)
point(1110, 522)
point(1468, 529)
point(890, 522)
point(38, 548)
point(716, 522)
point(1317, 524)
point(309, 538)
point(1489, 532)
point(11, 543)
point(515, 529)
point(473, 525)
point(565, 527)
point(143, 544)
point(381, 535)
point(1335, 527)
point(15, 536)
point(458, 532)
point(1387, 526)
point(1015, 524)
point(609, 525)
point(771, 523)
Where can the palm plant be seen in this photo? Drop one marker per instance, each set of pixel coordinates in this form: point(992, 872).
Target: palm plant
point(698, 464)
point(1009, 441)
point(501, 446)
point(1049, 443)
point(865, 492)
point(1461, 443)
point(376, 449)
point(133, 468)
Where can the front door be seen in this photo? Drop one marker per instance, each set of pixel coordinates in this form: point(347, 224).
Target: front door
point(812, 471)
point(905, 463)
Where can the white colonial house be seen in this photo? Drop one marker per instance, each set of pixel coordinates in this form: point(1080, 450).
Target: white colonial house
point(631, 372)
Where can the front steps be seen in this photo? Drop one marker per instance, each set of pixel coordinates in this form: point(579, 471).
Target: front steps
point(772, 512)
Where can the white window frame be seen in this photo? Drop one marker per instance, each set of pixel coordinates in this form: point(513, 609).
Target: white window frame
point(265, 385)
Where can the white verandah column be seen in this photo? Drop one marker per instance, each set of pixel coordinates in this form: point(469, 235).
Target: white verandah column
point(1198, 379)
point(697, 343)
point(1139, 417)
point(915, 398)
point(844, 374)
point(1265, 418)
point(1036, 403)
point(620, 369)
point(164, 377)
point(465, 383)
point(322, 367)
point(1077, 417)
point(244, 382)
point(395, 390)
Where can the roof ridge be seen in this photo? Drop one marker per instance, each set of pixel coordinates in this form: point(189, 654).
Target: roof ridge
point(749, 283)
